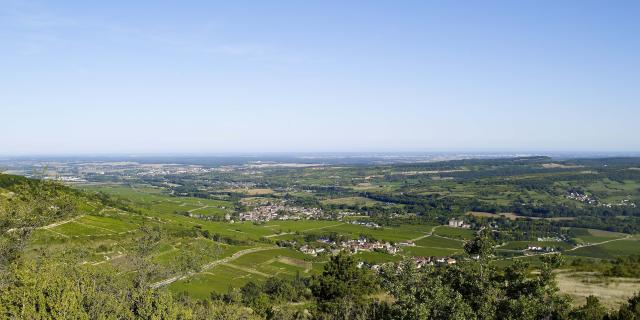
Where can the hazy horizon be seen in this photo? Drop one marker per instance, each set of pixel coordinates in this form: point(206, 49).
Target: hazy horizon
point(329, 154)
point(233, 77)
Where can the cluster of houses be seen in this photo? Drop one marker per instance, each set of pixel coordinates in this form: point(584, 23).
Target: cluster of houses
point(456, 223)
point(367, 224)
point(343, 214)
point(306, 249)
point(535, 248)
point(590, 200)
point(314, 251)
point(555, 239)
point(581, 197)
point(374, 267)
point(363, 244)
point(163, 170)
point(624, 202)
point(430, 261)
point(354, 246)
point(66, 179)
point(281, 212)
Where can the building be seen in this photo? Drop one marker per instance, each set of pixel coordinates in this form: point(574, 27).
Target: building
point(455, 223)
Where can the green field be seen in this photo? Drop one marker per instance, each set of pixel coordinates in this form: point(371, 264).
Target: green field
point(219, 279)
point(594, 236)
point(393, 234)
point(521, 245)
point(439, 242)
point(609, 250)
point(372, 257)
point(428, 251)
point(351, 201)
point(457, 233)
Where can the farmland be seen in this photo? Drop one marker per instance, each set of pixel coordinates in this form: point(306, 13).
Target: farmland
point(114, 229)
point(255, 227)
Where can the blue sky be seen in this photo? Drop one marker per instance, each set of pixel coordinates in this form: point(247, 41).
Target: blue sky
point(256, 76)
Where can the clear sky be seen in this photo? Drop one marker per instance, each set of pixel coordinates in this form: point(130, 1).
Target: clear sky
point(256, 76)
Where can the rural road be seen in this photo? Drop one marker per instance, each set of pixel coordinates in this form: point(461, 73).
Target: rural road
point(428, 234)
point(599, 243)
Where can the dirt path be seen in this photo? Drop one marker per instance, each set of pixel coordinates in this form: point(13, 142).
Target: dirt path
point(53, 225)
point(107, 259)
point(199, 208)
point(330, 226)
point(210, 265)
point(97, 227)
point(245, 269)
point(428, 234)
point(58, 233)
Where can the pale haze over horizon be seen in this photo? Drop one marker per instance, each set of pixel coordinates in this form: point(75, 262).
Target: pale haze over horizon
point(300, 76)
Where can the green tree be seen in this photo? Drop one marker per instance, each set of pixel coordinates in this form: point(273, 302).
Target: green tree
point(342, 290)
point(629, 310)
point(342, 278)
point(481, 246)
point(591, 310)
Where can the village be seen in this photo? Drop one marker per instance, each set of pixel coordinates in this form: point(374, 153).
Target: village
point(581, 197)
point(585, 198)
point(352, 246)
point(330, 247)
point(367, 224)
point(281, 212)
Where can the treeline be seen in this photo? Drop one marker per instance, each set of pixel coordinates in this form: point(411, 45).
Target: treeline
point(625, 267)
point(615, 224)
point(453, 164)
point(550, 210)
point(628, 267)
point(588, 216)
point(613, 162)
